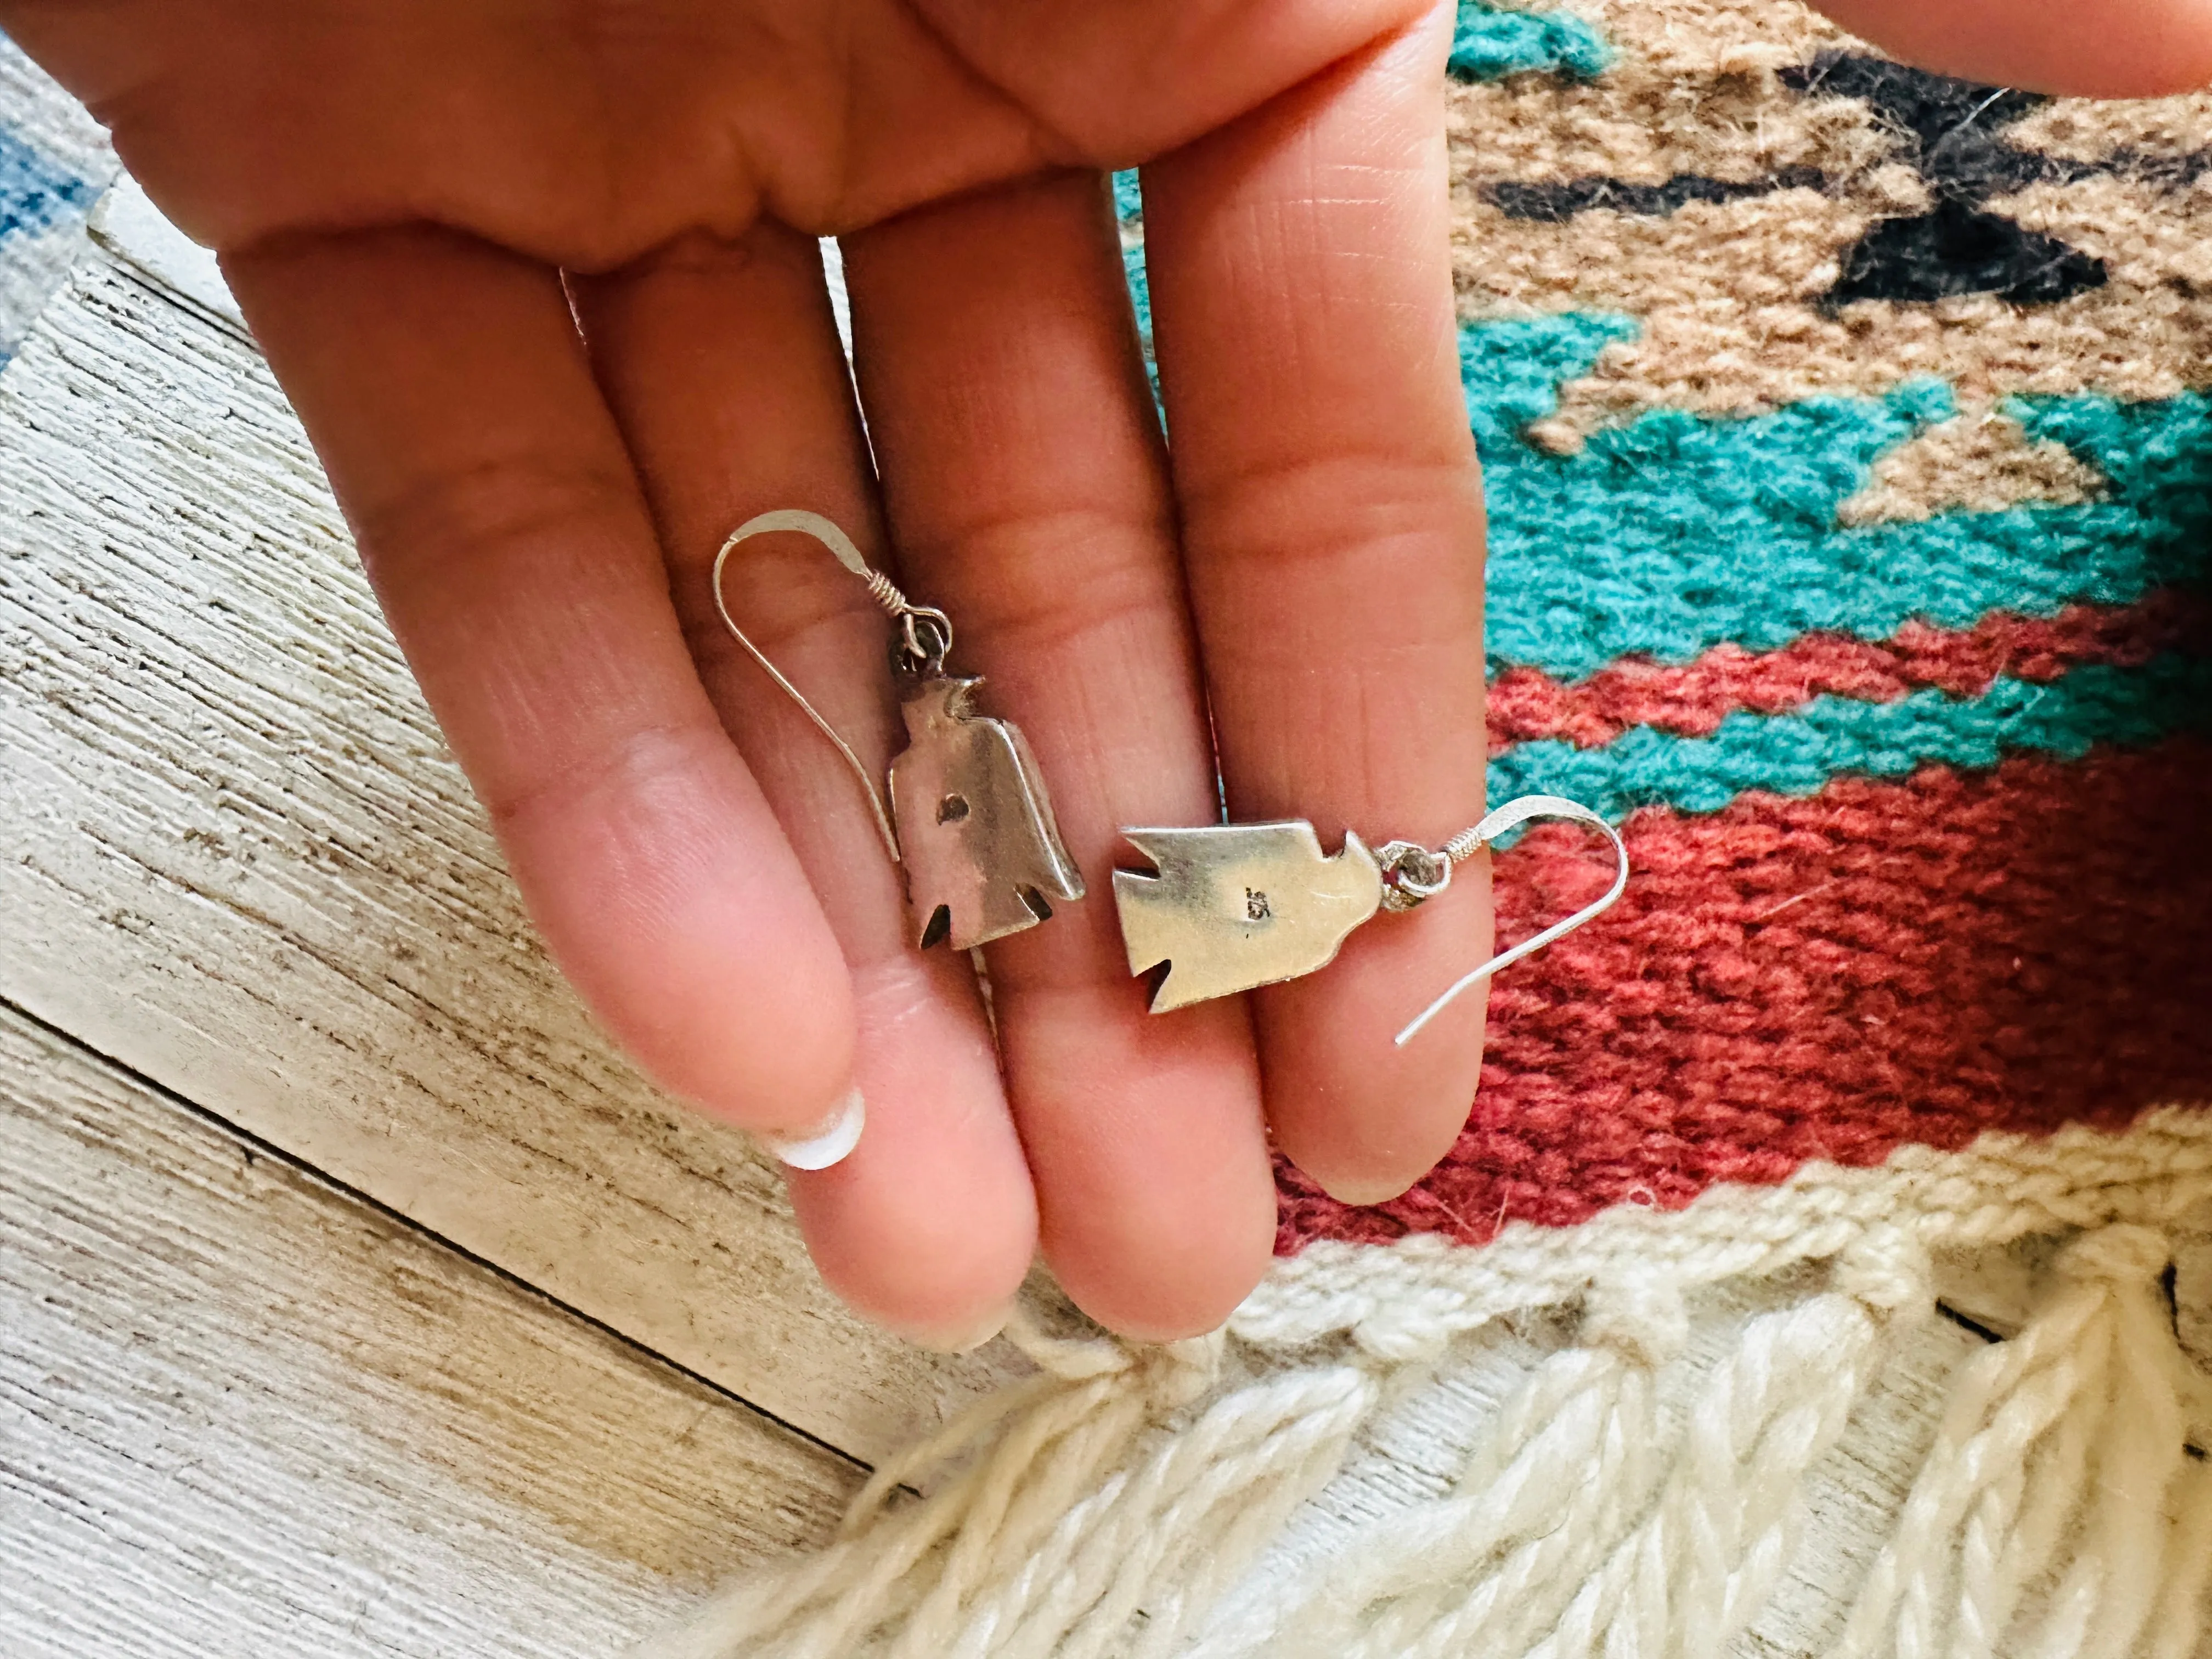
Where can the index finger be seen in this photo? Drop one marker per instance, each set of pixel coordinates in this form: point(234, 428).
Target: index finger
point(1302, 299)
point(446, 390)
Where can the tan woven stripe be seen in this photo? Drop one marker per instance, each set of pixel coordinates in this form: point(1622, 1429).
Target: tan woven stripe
point(1781, 248)
point(1705, 37)
point(1645, 128)
point(1979, 461)
point(1723, 291)
point(1748, 362)
point(2156, 241)
point(2088, 131)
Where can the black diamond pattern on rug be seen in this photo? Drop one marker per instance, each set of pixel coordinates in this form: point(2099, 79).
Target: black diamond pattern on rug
point(1953, 133)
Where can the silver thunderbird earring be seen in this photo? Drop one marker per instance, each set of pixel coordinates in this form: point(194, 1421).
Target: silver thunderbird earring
point(967, 816)
point(1230, 907)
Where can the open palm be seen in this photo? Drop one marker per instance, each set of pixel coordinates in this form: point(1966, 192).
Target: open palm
point(540, 276)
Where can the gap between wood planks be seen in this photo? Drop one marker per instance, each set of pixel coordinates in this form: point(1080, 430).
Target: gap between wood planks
point(242, 1412)
point(255, 1146)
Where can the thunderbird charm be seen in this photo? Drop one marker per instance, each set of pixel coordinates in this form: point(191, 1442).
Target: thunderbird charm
point(982, 853)
point(1238, 905)
point(967, 814)
point(1225, 907)
point(1231, 906)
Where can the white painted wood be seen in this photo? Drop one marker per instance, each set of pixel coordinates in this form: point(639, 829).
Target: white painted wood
point(131, 227)
point(34, 266)
point(235, 856)
point(243, 1413)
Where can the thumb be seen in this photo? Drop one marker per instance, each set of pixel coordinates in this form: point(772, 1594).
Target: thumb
point(2093, 49)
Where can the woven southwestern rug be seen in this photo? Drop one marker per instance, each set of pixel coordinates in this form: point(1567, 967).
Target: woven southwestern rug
point(1805, 1280)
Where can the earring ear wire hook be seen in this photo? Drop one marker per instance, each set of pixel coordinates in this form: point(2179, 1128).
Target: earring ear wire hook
point(917, 623)
point(1467, 842)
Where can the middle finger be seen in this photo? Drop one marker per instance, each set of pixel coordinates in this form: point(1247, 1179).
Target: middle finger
point(1022, 467)
point(722, 364)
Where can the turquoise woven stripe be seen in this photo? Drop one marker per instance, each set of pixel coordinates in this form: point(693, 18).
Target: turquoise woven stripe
point(1677, 533)
point(1130, 210)
point(1129, 197)
point(1489, 43)
point(1796, 754)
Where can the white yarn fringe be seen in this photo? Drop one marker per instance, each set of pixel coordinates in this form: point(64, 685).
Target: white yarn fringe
point(1106, 1506)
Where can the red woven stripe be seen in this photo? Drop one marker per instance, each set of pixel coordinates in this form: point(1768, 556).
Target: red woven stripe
point(1828, 978)
point(1526, 703)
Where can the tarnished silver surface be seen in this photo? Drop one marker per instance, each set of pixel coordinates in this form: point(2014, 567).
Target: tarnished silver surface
point(975, 828)
point(1237, 905)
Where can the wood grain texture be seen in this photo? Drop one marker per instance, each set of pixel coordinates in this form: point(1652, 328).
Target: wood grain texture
point(42, 113)
point(132, 231)
point(242, 1412)
point(238, 859)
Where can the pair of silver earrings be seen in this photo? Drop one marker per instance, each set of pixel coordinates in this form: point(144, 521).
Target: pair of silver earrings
point(1225, 907)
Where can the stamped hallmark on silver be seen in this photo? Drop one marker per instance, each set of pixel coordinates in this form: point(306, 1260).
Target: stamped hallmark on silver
point(1231, 905)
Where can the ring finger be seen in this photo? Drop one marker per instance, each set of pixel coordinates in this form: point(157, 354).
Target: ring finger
point(723, 367)
point(1333, 528)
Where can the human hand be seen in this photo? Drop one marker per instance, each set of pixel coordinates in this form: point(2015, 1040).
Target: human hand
point(396, 190)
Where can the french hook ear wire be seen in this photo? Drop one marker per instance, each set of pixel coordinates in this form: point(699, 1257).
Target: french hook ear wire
point(1525, 809)
point(841, 548)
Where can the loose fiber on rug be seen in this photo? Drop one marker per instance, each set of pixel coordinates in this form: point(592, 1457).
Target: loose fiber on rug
point(1848, 439)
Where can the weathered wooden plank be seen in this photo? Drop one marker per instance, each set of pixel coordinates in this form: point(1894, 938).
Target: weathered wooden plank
point(133, 232)
point(242, 1412)
point(238, 859)
point(43, 114)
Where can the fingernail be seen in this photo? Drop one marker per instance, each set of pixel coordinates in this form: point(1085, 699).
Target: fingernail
point(832, 1144)
point(960, 1340)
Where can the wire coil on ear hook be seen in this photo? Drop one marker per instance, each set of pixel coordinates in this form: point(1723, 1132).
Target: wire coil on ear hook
point(1525, 809)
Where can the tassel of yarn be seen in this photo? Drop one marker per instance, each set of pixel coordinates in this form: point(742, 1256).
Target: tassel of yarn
point(2060, 1510)
point(1055, 1509)
point(1109, 1505)
point(1483, 1556)
point(1577, 1529)
point(1702, 1563)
